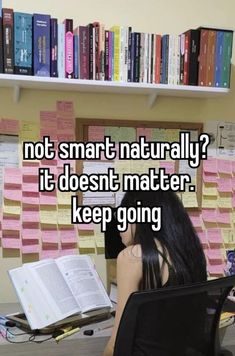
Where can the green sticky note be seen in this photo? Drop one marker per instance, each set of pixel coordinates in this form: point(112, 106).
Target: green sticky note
point(159, 135)
point(127, 134)
point(113, 132)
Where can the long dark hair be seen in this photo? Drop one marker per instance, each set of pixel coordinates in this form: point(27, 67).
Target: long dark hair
point(177, 238)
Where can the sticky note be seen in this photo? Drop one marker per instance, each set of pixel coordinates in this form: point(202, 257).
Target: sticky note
point(210, 165)
point(209, 215)
point(96, 133)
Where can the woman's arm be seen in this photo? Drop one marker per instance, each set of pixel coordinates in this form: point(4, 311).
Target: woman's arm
point(129, 273)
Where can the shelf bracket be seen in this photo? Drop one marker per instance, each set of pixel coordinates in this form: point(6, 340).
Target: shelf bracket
point(151, 100)
point(16, 94)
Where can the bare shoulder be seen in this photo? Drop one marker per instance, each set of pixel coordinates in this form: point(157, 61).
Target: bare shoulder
point(130, 257)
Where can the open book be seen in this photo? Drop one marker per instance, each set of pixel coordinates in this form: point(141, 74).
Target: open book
point(51, 290)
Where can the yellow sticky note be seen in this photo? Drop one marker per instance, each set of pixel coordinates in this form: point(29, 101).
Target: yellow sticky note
point(48, 215)
point(87, 244)
point(172, 135)
point(189, 200)
point(122, 166)
point(209, 202)
point(209, 189)
point(228, 236)
point(64, 215)
point(29, 131)
point(64, 198)
point(224, 202)
point(11, 207)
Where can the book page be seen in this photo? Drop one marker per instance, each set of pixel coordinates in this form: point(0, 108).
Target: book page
point(38, 311)
point(84, 282)
point(54, 288)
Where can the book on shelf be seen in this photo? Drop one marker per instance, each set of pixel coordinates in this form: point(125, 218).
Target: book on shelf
point(41, 45)
point(54, 48)
point(1, 47)
point(53, 289)
point(8, 40)
point(23, 43)
point(69, 56)
point(61, 50)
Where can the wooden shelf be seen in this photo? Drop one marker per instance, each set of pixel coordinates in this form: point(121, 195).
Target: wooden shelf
point(152, 91)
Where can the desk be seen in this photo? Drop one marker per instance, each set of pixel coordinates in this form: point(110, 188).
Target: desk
point(77, 344)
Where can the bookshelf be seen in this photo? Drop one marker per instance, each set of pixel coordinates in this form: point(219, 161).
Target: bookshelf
point(151, 91)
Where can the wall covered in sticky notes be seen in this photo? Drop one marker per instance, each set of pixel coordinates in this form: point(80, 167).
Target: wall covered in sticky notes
point(34, 223)
point(211, 207)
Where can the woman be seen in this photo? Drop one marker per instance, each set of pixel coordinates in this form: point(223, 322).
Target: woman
point(171, 256)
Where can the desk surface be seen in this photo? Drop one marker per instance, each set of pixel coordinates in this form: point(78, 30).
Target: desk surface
point(77, 344)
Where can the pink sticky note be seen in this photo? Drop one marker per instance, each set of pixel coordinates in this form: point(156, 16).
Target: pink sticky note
point(30, 246)
point(48, 163)
point(144, 132)
point(96, 133)
point(210, 177)
point(209, 215)
point(195, 217)
point(223, 216)
point(65, 137)
point(203, 237)
point(68, 251)
point(49, 253)
point(65, 124)
point(85, 227)
point(30, 187)
point(169, 166)
point(11, 243)
point(48, 198)
point(12, 175)
point(215, 255)
point(224, 166)
point(68, 235)
point(13, 194)
point(210, 165)
point(49, 235)
point(30, 198)
point(9, 127)
point(30, 171)
point(31, 215)
point(216, 270)
point(224, 185)
point(214, 236)
point(51, 132)
point(30, 231)
point(11, 223)
point(48, 119)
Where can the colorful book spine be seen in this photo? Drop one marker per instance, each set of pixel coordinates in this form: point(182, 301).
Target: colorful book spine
point(23, 52)
point(61, 50)
point(203, 57)
point(227, 54)
point(1, 47)
point(218, 58)
point(54, 48)
point(106, 55)
point(137, 57)
point(149, 58)
point(8, 40)
point(84, 52)
point(97, 49)
point(146, 57)
point(116, 30)
point(142, 53)
point(69, 66)
point(158, 59)
point(41, 45)
point(129, 55)
point(186, 57)
point(76, 52)
point(90, 49)
point(193, 57)
point(165, 47)
point(110, 55)
point(210, 58)
point(102, 52)
point(182, 53)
